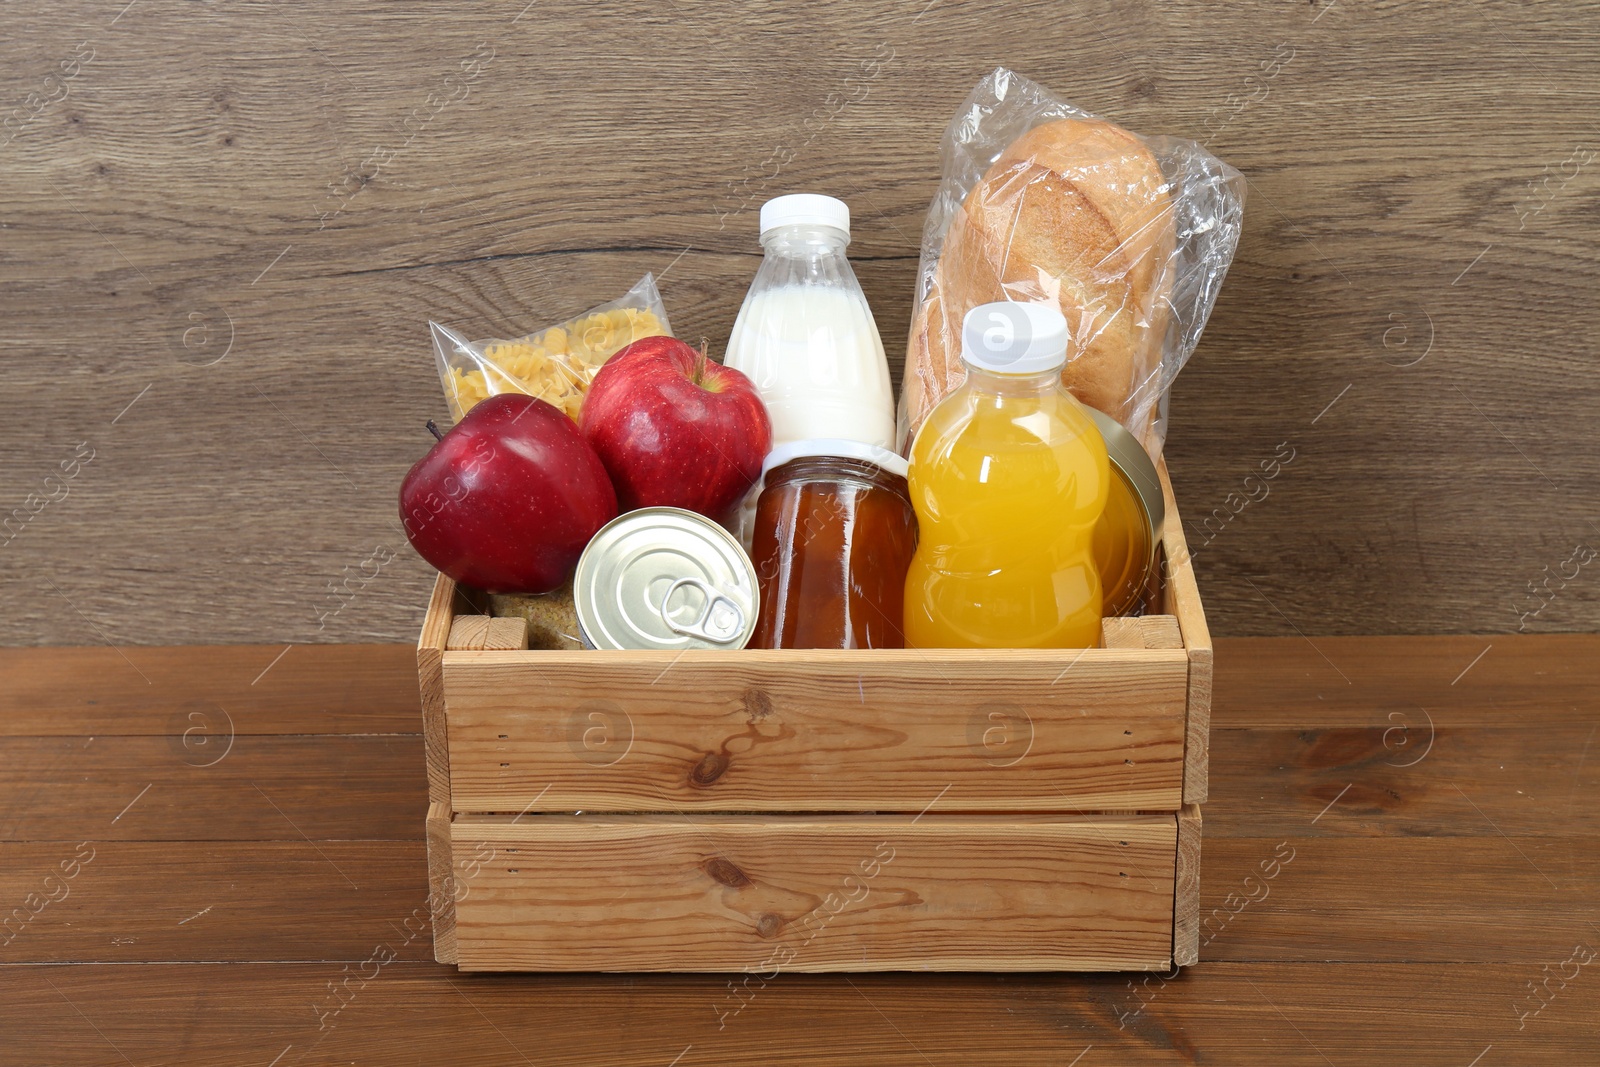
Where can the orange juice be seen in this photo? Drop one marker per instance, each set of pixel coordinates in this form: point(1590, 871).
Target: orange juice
point(1008, 476)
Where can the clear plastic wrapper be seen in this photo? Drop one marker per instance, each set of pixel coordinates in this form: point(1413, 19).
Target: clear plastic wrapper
point(1040, 201)
point(555, 364)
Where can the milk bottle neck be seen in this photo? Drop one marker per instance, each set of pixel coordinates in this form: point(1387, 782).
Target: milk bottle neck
point(990, 383)
point(804, 240)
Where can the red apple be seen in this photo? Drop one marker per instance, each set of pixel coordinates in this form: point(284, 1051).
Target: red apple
point(675, 428)
point(507, 499)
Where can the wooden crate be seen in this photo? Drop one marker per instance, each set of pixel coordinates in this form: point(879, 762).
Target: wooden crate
point(766, 810)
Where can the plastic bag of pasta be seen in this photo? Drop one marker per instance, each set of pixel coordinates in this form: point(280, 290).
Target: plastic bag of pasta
point(1129, 236)
point(555, 364)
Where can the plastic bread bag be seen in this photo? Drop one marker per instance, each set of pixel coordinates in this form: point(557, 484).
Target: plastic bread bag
point(1040, 201)
point(555, 364)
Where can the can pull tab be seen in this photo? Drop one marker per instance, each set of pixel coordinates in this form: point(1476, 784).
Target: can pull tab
point(720, 620)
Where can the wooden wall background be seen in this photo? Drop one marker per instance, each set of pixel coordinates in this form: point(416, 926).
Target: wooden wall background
point(223, 226)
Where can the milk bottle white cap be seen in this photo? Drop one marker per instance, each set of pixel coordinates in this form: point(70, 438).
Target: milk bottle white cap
point(1010, 337)
point(812, 209)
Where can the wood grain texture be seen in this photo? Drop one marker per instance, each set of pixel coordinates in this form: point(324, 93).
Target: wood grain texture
point(506, 635)
point(783, 738)
point(238, 225)
point(435, 635)
point(441, 884)
point(69, 692)
point(786, 730)
point(1144, 631)
point(1160, 631)
point(1475, 897)
point(275, 787)
point(1399, 920)
point(482, 633)
point(1358, 681)
point(1254, 1015)
point(1400, 776)
point(795, 893)
point(1181, 597)
point(214, 900)
point(1186, 890)
point(467, 633)
point(1121, 633)
point(1390, 899)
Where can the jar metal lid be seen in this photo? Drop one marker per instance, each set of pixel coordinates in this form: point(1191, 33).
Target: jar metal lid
point(891, 461)
point(1129, 457)
point(665, 578)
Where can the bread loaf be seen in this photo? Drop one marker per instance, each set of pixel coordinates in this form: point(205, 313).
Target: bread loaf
point(1075, 211)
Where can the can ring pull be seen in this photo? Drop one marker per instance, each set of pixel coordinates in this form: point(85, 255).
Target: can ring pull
point(709, 625)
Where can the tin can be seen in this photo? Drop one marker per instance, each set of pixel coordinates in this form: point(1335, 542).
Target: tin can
point(665, 578)
point(1126, 538)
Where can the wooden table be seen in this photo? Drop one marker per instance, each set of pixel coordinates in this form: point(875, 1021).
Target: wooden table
point(214, 855)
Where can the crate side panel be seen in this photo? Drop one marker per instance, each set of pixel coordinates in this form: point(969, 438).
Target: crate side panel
point(790, 731)
point(1186, 891)
point(820, 893)
point(430, 681)
point(441, 886)
point(1183, 601)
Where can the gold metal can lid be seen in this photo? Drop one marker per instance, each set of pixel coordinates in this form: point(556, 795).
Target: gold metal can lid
point(1129, 457)
point(665, 578)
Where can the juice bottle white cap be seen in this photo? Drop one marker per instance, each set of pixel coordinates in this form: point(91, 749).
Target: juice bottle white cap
point(812, 209)
point(1010, 337)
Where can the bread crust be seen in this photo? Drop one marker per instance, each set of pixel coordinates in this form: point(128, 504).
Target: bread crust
point(1075, 211)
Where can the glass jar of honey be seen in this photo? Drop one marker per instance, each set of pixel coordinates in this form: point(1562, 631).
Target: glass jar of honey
point(1126, 536)
point(834, 532)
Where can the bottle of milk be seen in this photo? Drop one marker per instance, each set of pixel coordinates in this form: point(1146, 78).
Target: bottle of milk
point(805, 335)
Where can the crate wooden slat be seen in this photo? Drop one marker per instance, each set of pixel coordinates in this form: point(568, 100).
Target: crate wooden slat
point(1145, 631)
point(430, 676)
point(734, 893)
point(1186, 890)
point(436, 749)
point(816, 731)
point(1004, 773)
point(441, 883)
point(1182, 599)
point(484, 633)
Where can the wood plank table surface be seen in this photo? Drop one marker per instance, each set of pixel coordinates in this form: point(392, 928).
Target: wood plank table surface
point(214, 855)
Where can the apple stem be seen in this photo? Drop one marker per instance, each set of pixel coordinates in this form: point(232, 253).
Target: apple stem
point(700, 358)
point(433, 428)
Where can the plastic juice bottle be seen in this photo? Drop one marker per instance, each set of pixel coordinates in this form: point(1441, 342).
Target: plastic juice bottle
point(1008, 477)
